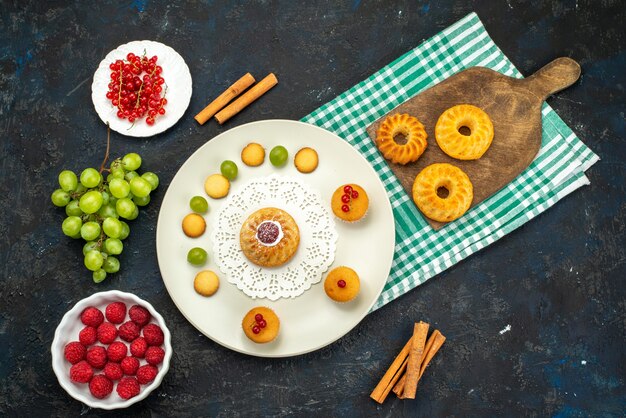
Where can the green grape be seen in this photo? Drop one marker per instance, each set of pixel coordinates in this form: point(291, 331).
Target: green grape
point(90, 246)
point(72, 209)
point(68, 180)
point(108, 211)
point(278, 156)
point(141, 201)
point(134, 215)
point(71, 226)
point(113, 246)
point(77, 236)
point(151, 178)
point(112, 201)
point(140, 187)
point(131, 161)
point(112, 227)
point(125, 230)
point(229, 169)
point(197, 256)
point(118, 173)
point(80, 189)
point(90, 231)
point(91, 201)
point(130, 175)
point(93, 260)
point(119, 188)
point(198, 204)
point(90, 177)
point(111, 265)
point(60, 198)
point(99, 275)
point(125, 207)
point(105, 197)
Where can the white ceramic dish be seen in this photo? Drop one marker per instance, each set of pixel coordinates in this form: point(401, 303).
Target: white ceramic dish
point(177, 78)
point(310, 321)
point(68, 330)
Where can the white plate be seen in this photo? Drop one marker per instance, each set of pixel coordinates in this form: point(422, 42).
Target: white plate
point(310, 321)
point(177, 78)
point(68, 330)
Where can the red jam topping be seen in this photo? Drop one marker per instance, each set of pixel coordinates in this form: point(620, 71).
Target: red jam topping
point(341, 283)
point(268, 232)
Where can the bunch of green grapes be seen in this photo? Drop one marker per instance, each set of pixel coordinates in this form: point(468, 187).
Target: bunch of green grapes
point(94, 206)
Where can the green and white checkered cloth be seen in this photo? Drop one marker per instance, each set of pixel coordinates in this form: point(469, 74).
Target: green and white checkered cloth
point(420, 251)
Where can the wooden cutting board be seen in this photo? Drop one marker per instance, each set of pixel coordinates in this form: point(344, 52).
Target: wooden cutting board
point(514, 106)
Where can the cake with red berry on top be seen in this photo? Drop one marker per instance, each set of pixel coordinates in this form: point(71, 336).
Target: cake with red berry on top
point(350, 202)
point(342, 284)
point(261, 325)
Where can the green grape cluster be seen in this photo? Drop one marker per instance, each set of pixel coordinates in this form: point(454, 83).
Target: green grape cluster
point(94, 205)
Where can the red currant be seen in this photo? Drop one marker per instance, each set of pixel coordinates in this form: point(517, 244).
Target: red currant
point(345, 198)
point(258, 317)
point(150, 121)
point(262, 323)
point(345, 208)
point(355, 194)
point(161, 111)
point(347, 190)
point(256, 329)
point(341, 283)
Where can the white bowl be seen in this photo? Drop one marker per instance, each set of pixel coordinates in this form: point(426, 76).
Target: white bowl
point(68, 330)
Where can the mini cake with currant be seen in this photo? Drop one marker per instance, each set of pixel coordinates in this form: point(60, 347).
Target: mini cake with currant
point(269, 237)
point(342, 284)
point(350, 202)
point(261, 325)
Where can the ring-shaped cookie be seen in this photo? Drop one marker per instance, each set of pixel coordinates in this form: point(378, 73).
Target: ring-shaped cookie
point(458, 145)
point(442, 175)
point(413, 131)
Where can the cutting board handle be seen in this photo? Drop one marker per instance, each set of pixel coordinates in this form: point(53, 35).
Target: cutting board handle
point(554, 77)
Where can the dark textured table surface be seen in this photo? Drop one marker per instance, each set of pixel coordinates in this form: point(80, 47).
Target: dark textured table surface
point(558, 280)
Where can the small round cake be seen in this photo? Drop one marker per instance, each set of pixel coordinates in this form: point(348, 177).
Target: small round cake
point(342, 284)
point(350, 202)
point(269, 237)
point(261, 325)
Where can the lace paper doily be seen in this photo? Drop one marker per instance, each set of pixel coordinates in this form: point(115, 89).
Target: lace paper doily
point(318, 238)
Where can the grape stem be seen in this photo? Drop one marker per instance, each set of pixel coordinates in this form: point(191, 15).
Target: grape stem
point(106, 155)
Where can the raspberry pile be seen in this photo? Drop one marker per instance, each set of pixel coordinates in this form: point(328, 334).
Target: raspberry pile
point(124, 348)
point(136, 87)
point(348, 195)
point(259, 323)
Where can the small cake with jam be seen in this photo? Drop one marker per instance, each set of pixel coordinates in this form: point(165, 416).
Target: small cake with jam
point(350, 202)
point(261, 325)
point(342, 284)
point(269, 237)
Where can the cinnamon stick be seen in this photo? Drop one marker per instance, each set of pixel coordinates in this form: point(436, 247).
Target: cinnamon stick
point(248, 97)
point(380, 392)
point(222, 100)
point(434, 343)
point(420, 332)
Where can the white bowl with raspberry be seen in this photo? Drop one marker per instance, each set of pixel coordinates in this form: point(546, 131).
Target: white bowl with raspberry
point(111, 350)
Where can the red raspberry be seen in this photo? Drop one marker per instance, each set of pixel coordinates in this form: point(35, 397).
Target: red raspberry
point(153, 334)
point(92, 317)
point(115, 312)
point(139, 315)
point(154, 355)
point(88, 336)
point(96, 356)
point(100, 387)
point(81, 372)
point(129, 331)
point(107, 333)
point(113, 371)
point(129, 366)
point(146, 373)
point(138, 347)
point(128, 387)
point(116, 351)
point(74, 352)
